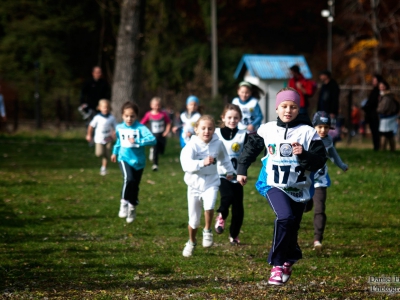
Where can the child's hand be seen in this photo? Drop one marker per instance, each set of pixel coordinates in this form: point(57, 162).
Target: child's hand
point(131, 140)
point(89, 138)
point(208, 160)
point(297, 148)
point(229, 177)
point(241, 179)
point(174, 129)
point(188, 134)
point(250, 128)
point(113, 158)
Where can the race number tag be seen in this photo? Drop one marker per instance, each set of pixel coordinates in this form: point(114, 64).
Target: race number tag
point(157, 126)
point(125, 135)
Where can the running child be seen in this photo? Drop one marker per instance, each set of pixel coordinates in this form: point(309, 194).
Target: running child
point(160, 125)
point(247, 100)
point(103, 125)
point(130, 153)
point(322, 124)
point(294, 151)
point(230, 190)
point(199, 162)
point(188, 118)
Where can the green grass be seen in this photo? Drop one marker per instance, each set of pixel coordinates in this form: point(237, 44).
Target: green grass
point(60, 236)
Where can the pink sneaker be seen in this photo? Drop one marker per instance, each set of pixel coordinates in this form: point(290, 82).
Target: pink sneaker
point(276, 276)
point(287, 271)
point(219, 224)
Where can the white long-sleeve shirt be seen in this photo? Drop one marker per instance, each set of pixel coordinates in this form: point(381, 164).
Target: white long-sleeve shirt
point(192, 158)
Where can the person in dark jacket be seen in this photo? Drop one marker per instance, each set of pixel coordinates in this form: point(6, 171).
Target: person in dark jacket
point(294, 151)
point(371, 115)
point(328, 100)
point(93, 90)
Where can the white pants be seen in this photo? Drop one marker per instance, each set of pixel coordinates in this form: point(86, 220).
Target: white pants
point(198, 200)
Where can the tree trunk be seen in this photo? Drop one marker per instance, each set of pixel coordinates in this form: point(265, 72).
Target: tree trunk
point(375, 29)
point(126, 82)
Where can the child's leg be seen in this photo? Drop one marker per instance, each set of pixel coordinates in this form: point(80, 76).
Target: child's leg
point(319, 213)
point(226, 193)
point(209, 198)
point(192, 234)
point(106, 154)
point(288, 217)
point(130, 187)
point(208, 216)
point(237, 210)
point(194, 210)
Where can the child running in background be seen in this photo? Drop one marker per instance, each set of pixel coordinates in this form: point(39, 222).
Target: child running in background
point(294, 151)
point(129, 150)
point(199, 162)
point(231, 191)
point(247, 100)
point(160, 125)
point(322, 124)
point(188, 118)
point(103, 125)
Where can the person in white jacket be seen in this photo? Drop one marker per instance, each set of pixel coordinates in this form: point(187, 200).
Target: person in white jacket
point(199, 162)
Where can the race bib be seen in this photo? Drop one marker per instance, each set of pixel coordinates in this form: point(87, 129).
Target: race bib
point(125, 135)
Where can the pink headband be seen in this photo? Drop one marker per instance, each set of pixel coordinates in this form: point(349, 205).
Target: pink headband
point(287, 96)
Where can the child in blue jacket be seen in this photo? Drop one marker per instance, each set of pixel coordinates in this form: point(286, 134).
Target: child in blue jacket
point(130, 153)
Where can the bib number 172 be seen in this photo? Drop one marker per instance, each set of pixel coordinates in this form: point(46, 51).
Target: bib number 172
point(286, 172)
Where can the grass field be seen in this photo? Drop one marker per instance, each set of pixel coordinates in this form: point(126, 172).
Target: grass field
point(60, 237)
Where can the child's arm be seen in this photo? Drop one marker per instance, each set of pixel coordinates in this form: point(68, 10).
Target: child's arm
point(313, 159)
point(332, 153)
point(258, 117)
point(145, 119)
point(167, 129)
point(89, 134)
point(146, 137)
point(116, 147)
point(189, 164)
point(253, 147)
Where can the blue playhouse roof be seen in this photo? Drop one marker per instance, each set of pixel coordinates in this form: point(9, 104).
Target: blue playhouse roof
point(272, 66)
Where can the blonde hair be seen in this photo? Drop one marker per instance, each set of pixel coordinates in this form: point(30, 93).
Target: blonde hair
point(104, 101)
point(158, 99)
point(203, 118)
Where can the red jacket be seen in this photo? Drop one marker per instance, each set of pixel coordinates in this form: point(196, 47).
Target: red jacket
point(306, 84)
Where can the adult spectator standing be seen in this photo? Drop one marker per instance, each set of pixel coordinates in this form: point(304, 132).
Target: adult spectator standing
point(388, 108)
point(328, 100)
point(93, 90)
point(3, 117)
point(370, 107)
point(303, 86)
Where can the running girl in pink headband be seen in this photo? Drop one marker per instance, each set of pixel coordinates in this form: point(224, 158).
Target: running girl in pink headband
point(294, 150)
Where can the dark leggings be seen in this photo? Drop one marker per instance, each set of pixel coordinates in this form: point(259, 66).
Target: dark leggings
point(159, 148)
point(287, 224)
point(130, 187)
point(232, 195)
point(318, 201)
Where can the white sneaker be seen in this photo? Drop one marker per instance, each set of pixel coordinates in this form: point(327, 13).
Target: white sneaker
point(131, 213)
point(207, 238)
point(317, 246)
point(188, 250)
point(123, 209)
point(103, 171)
point(151, 154)
point(154, 168)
